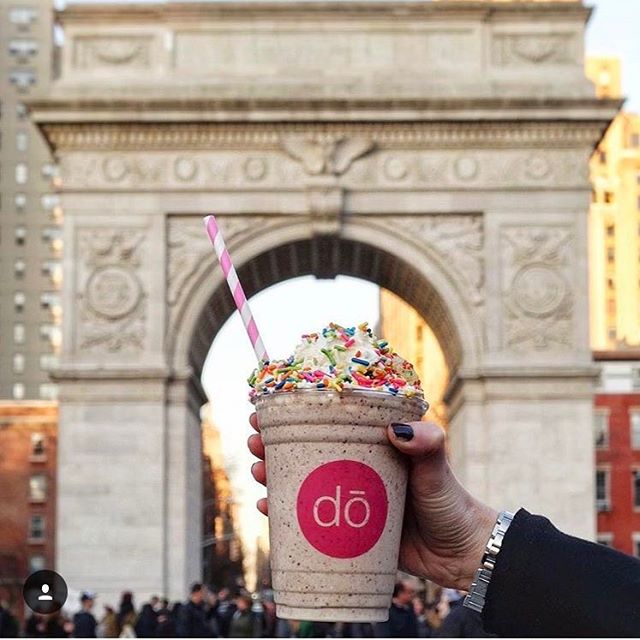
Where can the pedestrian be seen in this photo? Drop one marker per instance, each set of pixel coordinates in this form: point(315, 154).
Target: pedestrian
point(45, 626)
point(419, 608)
point(243, 622)
point(268, 619)
point(126, 615)
point(402, 622)
point(461, 622)
point(225, 608)
point(147, 622)
point(165, 627)
point(84, 622)
point(108, 627)
point(9, 626)
point(192, 620)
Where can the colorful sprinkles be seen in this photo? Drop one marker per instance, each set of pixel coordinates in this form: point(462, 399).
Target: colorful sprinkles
point(338, 358)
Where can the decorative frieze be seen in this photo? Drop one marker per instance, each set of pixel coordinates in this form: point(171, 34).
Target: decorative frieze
point(538, 265)
point(352, 163)
point(112, 303)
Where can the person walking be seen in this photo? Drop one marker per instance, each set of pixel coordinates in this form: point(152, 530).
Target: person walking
point(461, 622)
point(9, 626)
point(84, 622)
point(165, 627)
point(224, 610)
point(192, 619)
point(147, 622)
point(126, 615)
point(243, 623)
point(524, 576)
point(108, 627)
point(402, 621)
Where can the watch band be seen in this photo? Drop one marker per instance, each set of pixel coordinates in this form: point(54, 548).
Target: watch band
point(475, 599)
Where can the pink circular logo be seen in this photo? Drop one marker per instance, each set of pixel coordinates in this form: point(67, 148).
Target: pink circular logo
point(342, 508)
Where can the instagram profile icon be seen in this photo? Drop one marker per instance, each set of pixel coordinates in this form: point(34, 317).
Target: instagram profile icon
point(342, 508)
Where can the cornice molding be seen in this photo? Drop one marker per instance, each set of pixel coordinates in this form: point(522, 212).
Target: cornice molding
point(171, 136)
point(345, 9)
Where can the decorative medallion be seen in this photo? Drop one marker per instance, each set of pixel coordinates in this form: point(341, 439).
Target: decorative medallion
point(254, 169)
point(539, 290)
point(395, 168)
point(185, 169)
point(113, 291)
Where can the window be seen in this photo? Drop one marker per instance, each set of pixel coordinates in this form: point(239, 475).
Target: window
point(594, 195)
point(18, 391)
point(635, 428)
point(20, 235)
point(638, 203)
point(611, 230)
point(36, 528)
point(21, 111)
point(23, 16)
point(19, 267)
point(19, 300)
point(22, 173)
point(602, 490)
point(38, 448)
point(18, 333)
point(38, 488)
point(21, 201)
point(49, 300)
point(602, 156)
point(23, 49)
point(611, 254)
point(50, 200)
point(18, 363)
point(22, 141)
point(635, 378)
point(635, 476)
point(22, 79)
point(49, 170)
point(48, 391)
point(51, 334)
point(635, 139)
point(53, 270)
point(601, 427)
point(36, 563)
point(610, 283)
point(53, 237)
point(605, 539)
point(608, 197)
point(611, 333)
point(48, 361)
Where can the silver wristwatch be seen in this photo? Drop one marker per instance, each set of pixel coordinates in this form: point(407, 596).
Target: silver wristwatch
point(478, 591)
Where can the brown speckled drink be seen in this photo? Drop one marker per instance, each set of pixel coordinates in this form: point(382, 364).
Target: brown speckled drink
point(336, 491)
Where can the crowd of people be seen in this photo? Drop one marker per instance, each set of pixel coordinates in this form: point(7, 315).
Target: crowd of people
point(212, 613)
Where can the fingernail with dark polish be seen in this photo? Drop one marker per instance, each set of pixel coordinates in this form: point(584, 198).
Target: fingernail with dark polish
point(402, 431)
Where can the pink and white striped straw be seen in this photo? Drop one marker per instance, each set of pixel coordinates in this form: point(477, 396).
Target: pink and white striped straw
point(237, 291)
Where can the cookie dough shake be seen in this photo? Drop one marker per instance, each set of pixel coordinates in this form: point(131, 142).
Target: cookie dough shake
point(336, 486)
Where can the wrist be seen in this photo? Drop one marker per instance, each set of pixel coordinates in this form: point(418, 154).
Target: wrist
point(484, 519)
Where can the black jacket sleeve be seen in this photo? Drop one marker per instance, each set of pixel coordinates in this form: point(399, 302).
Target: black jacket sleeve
point(546, 583)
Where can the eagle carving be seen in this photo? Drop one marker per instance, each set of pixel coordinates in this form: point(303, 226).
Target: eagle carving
point(326, 156)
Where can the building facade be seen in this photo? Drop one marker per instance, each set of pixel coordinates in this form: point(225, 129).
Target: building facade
point(28, 449)
point(222, 553)
point(617, 422)
point(30, 214)
point(614, 227)
point(413, 339)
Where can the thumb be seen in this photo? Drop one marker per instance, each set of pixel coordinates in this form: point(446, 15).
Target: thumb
point(424, 442)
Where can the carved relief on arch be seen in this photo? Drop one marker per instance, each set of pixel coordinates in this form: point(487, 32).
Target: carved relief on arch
point(189, 248)
point(112, 303)
point(538, 301)
point(458, 240)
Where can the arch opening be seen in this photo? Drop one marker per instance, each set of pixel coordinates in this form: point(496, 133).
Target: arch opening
point(327, 257)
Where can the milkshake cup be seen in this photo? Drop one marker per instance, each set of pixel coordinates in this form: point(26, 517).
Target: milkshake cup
point(336, 492)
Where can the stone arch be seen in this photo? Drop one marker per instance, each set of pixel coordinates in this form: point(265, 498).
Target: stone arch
point(373, 252)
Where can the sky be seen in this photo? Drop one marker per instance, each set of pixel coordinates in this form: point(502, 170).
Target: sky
point(613, 30)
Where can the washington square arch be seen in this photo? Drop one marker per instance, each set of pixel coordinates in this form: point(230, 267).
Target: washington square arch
point(438, 149)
